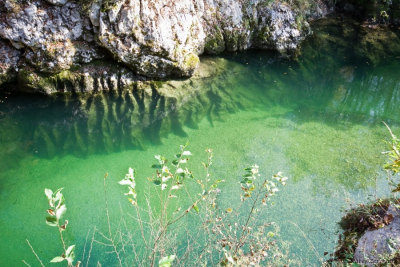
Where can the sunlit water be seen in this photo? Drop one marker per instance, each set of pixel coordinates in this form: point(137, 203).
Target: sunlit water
point(317, 119)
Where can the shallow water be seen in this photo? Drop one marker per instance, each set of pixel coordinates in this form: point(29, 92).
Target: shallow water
point(317, 119)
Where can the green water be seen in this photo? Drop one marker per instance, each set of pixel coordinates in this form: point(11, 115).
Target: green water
point(317, 118)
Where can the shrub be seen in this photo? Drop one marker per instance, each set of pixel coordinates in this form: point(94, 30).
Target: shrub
point(233, 236)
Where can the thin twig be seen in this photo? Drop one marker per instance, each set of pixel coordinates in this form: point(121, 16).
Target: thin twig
point(91, 246)
point(309, 242)
point(26, 263)
point(108, 220)
point(37, 257)
point(84, 248)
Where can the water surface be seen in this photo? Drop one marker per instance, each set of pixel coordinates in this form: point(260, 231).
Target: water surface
point(317, 118)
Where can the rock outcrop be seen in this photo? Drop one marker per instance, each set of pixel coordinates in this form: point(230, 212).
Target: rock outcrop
point(372, 11)
point(377, 245)
point(9, 57)
point(155, 39)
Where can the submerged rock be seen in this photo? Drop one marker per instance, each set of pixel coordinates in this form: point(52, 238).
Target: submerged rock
point(377, 245)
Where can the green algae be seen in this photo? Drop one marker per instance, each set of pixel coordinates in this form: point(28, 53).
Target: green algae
point(317, 118)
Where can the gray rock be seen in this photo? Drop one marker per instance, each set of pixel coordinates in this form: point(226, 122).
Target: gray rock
point(9, 57)
point(57, 2)
point(383, 242)
point(154, 38)
point(163, 38)
point(275, 29)
point(50, 35)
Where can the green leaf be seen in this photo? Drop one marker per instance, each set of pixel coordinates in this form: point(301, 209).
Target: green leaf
point(48, 193)
point(176, 187)
point(166, 178)
point(156, 166)
point(125, 182)
point(61, 202)
point(61, 211)
point(156, 182)
point(166, 261)
point(177, 156)
point(51, 221)
point(175, 162)
point(57, 259)
point(70, 259)
point(58, 194)
point(69, 250)
point(196, 208)
point(271, 234)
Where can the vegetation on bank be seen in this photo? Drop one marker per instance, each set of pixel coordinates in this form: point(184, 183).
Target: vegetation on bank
point(364, 217)
point(355, 223)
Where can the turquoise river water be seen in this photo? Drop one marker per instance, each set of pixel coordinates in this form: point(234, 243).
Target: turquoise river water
point(317, 118)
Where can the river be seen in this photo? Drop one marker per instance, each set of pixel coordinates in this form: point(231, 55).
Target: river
point(317, 117)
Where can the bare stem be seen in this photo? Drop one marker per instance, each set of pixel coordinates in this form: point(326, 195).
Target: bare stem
point(61, 235)
point(91, 246)
point(37, 257)
point(244, 235)
point(26, 263)
point(108, 221)
point(309, 242)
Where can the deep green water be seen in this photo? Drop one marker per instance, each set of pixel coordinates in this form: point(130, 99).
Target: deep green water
point(317, 118)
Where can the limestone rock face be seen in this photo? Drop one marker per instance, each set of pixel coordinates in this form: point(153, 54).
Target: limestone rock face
point(376, 243)
point(8, 62)
point(153, 38)
point(163, 38)
point(57, 2)
point(51, 34)
point(276, 29)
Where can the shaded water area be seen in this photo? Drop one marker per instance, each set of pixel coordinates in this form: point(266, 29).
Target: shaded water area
point(317, 118)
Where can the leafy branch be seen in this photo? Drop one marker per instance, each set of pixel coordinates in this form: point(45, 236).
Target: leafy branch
point(56, 211)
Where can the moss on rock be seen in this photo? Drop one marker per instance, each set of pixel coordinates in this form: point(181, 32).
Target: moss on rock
point(32, 82)
point(190, 63)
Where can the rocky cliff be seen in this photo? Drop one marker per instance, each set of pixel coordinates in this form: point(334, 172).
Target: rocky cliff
point(84, 45)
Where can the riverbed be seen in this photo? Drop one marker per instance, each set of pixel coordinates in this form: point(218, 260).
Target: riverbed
point(316, 116)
